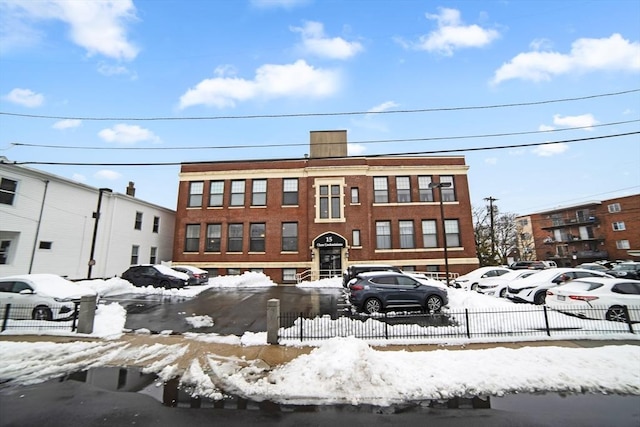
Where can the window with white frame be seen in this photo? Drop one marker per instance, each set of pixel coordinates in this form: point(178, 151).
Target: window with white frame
point(355, 196)
point(383, 234)
point(618, 226)
point(8, 189)
point(355, 238)
point(290, 191)
point(614, 207)
point(329, 199)
point(448, 193)
point(138, 222)
point(135, 250)
point(192, 238)
point(406, 234)
point(403, 189)
point(426, 192)
point(156, 224)
point(380, 189)
point(289, 237)
point(429, 233)
point(452, 232)
point(214, 237)
point(234, 240)
point(259, 192)
point(216, 193)
point(4, 251)
point(153, 255)
point(237, 193)
point(289, 275)
point(623, 244)
point(195, 194)
point(257, 237)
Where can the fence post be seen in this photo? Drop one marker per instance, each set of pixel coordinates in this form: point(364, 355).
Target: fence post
point(625, 309)
point(87, 314)
point(273, 320)
point(301, 326)
point(386, 326)
point(7, 308)
point(466, 321)
point(546, 320)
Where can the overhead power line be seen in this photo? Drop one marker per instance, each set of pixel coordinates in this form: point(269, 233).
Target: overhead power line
point(432, 152)
point(347, 113)
point(377, 141)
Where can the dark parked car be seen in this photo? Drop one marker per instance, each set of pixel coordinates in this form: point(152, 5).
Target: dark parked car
point(197, 276)
point(374, 292)
point(155, 275)
point(626, 270)
point(355, 269)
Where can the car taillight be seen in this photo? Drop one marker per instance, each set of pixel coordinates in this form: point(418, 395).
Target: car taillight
point(582, 298)
point(356, 287)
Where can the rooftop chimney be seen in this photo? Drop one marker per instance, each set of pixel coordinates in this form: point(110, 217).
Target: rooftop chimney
point(131, 189)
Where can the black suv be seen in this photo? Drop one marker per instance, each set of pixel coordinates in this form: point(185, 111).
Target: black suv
point(155, 275)
point(355, 269)
point(376, 291)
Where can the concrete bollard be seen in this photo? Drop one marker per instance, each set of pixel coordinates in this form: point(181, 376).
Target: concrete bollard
point(273, 320)
point(87, 314)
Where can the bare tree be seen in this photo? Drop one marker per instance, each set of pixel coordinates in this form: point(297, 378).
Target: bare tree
point(494, 246)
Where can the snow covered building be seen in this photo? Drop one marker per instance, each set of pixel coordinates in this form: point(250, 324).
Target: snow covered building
point(312, 217)
point(48, 224)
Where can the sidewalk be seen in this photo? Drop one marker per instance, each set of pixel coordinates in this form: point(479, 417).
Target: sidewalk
point(274, 355)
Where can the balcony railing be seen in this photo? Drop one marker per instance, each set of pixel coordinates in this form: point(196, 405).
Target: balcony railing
point(567, 222)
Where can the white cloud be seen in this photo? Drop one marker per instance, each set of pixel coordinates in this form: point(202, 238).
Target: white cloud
point(491, 161)
point(452, 34)
point(78, 177)
point(25, 97)
point(99, 26)
point(272, 4)
point(606, 54)
point(355, 149)
point(315, 42)
point(271, 81)
point(549, 150)
point(127, 134)
point(388, 105)
point(107, 174)
point(584, 120)
point(544, 128)
point(115, 70)
point(67, 124)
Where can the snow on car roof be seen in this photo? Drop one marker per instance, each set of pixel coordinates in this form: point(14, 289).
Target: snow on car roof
point(171, 272)
point(190, 268)
point(53, 285)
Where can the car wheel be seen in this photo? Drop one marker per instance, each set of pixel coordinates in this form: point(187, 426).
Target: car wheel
point(433, 304)
point(616, 314)
point(503, 292)
point(165, 284)
point(474, 287)
point(540, 298)
point(372, 305)
point(41, 313)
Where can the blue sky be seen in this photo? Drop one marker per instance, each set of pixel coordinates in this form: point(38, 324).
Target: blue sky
point(91, 75)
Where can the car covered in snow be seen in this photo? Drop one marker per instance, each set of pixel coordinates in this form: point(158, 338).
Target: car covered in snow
point(197, 276)
point(497, 286)
point(159, 276)
point(470, 280)
point(40, 296)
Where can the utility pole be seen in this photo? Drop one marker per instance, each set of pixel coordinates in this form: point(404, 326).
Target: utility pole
point(493, 238)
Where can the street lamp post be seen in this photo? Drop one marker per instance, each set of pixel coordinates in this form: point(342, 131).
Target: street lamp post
point(439, 186)
point(96, 216)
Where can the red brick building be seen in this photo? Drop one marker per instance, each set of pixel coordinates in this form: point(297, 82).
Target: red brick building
point(587, 232)
point(312, 217)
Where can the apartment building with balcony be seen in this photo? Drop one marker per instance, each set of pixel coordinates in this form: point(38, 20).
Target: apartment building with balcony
point(312, 217)
point(586, 232)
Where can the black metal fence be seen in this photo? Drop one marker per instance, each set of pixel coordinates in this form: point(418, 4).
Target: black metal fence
point(519, 321)
point(26, 318)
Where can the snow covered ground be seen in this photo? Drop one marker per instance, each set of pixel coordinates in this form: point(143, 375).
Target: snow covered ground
point(339, 370)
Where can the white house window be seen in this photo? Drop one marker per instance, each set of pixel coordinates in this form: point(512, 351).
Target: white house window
point(7, 191)
point(4, 251)
point(380, 189)
point(195, 194)
point(134, 254)
point(289, 274)
point(618, 226)
point(156, 224)
point(138, 222)
point(614, 207)
point(622, 244)
point(403, 189)
point(153, 255)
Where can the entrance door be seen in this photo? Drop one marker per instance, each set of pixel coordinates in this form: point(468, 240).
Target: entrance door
point(330, 262)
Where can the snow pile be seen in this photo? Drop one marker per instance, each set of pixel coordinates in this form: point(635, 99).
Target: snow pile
point(199, 321)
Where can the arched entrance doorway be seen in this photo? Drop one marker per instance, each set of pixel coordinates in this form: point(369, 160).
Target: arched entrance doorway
point(329, 248)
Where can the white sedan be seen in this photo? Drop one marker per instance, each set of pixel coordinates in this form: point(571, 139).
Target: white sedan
point(598, 298)
point(470, 280)
point(40, 296)
point(497, 286)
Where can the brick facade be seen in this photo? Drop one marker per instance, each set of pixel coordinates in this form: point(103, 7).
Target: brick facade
point(324, 244)
point(593, 231)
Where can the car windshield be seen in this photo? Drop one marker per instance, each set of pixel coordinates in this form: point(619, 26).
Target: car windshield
point(624, 267)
